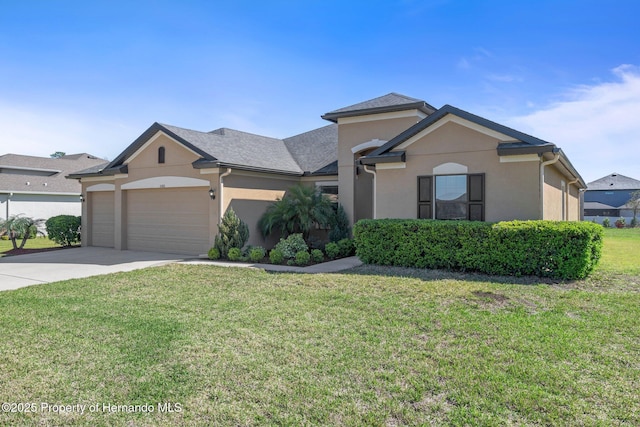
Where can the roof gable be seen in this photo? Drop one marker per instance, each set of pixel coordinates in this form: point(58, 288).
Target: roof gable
point(614, 181)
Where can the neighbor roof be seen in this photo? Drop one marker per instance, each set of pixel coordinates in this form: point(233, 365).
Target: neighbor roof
point(614, 181)
point(383, 104)
point(31, 174)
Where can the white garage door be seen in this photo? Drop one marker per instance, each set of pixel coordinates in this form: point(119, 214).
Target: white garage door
point(171, 220)
point(102, 218)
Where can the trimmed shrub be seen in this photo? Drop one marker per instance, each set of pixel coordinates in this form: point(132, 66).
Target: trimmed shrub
point(275, 256)
point(317, 255)
point(234, 233)
point(346, 247)
point(64, 229)
point(303, 258)
point(257, 253)
point(292, 245)
point(213, 253)
point(332, 250)
point(234, 254)
point(606, 223)
point(566, 250)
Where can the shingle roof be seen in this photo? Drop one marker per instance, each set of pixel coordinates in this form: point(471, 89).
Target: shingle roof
point(382, 104)
point(315, 150)
point(614, 181)
point(31, 174)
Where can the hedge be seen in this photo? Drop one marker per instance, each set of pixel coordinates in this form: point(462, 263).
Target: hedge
point(565, 250)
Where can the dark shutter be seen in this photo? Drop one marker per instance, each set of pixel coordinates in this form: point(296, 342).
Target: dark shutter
point(476, 197)
point(425, 189)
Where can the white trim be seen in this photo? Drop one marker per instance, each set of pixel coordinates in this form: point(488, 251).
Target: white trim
point(392, 165)
point(520, 158)
point(326, 183)
point(101, 187)
point(374, 143)
point(458, 120)
point(165, 182)
point(151, 140)
point(450, 169)
point(209, 171)
point(99, 178)
point(38, 193)
point(382, 116)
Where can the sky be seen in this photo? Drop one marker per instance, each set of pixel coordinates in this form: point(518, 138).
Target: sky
point(91, 76)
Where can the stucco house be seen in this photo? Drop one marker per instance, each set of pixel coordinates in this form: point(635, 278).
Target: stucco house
point(37, 186)
point(389, 157)
point(608, 197)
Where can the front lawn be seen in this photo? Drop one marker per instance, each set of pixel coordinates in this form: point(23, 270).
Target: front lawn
point(36, 243)
point(372, 346)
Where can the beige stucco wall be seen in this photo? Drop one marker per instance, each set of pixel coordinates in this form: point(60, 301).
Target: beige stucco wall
point(353, 134)
point(511, 189)
point(554, 196)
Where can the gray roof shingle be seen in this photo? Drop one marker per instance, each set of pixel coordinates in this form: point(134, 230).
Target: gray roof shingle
point(386, 103)
point(31, 174)
point(315, 150)
point(614, 181)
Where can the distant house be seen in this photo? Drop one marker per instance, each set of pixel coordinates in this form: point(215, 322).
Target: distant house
point(36, 186)
point(608, 197)
point(389, 157)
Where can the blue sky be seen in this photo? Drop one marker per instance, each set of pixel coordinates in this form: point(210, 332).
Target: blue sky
point(91, 76)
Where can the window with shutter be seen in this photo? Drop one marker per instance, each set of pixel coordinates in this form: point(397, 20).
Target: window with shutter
point(456, 197)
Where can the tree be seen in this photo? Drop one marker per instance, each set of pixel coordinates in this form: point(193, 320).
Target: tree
point(233, 233)
point(298, 211)
point(634, 204)
point(19, 227)
point(57, 154)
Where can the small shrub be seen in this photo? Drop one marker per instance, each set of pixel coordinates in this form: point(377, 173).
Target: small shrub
point(291, 262)
point(340, 228)
point(606, 223)
point(620, 223)
point(303, 258)
point(234, 254)
point(213, 253)
point(234, 233)
point(317, 255)
point(634, 222)
point(64, 229)
point(275, 256)
point(332, 250)
point(346, 247)
point(292, 245)
point(256, 254)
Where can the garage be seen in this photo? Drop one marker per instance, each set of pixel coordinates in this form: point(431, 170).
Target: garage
point(102, 218)
point(170, 220)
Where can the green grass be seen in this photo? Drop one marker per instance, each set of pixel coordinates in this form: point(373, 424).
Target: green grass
point(36, 243)
point(621, 251)
point(372, 346)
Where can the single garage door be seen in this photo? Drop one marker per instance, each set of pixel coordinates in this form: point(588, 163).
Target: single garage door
point(171, 220)
point(102, 218)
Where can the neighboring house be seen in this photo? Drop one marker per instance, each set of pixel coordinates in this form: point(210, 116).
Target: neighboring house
point(608, 197)
point(37, 187)
point(389, 157)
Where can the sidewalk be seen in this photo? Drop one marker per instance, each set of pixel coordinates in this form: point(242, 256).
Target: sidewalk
point(325, 267)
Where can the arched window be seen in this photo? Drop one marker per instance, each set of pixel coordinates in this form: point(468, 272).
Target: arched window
point(161, 155)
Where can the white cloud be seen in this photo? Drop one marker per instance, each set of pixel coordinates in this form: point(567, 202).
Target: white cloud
point(597, 126)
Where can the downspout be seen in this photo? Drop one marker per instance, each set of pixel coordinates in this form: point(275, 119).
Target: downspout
point(221, 186)
point(372, 172)
point(556, 157)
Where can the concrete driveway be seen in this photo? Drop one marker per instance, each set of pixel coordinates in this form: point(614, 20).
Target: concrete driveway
point(44, 267)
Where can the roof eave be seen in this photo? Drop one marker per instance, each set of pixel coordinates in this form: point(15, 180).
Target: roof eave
point(204, 164)
point(391, 157)
point(420, 106)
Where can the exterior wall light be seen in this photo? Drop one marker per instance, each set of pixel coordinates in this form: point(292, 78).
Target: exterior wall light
point(82, 199)
point(212, 193)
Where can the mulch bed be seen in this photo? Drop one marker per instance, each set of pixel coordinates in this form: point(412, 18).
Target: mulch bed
point(25, 251)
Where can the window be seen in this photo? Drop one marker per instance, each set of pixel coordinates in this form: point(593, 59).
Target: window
point(161, 155)
point(456, 197)
point(331, 191)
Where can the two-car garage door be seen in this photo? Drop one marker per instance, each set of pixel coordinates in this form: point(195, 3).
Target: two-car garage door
point(172, 220)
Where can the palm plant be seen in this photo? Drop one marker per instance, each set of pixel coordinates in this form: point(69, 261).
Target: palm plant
point(297, 212)
point(19, 226)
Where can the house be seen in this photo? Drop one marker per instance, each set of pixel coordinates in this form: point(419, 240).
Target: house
point(37, 186)
point(392, 156)
point(608, 197)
